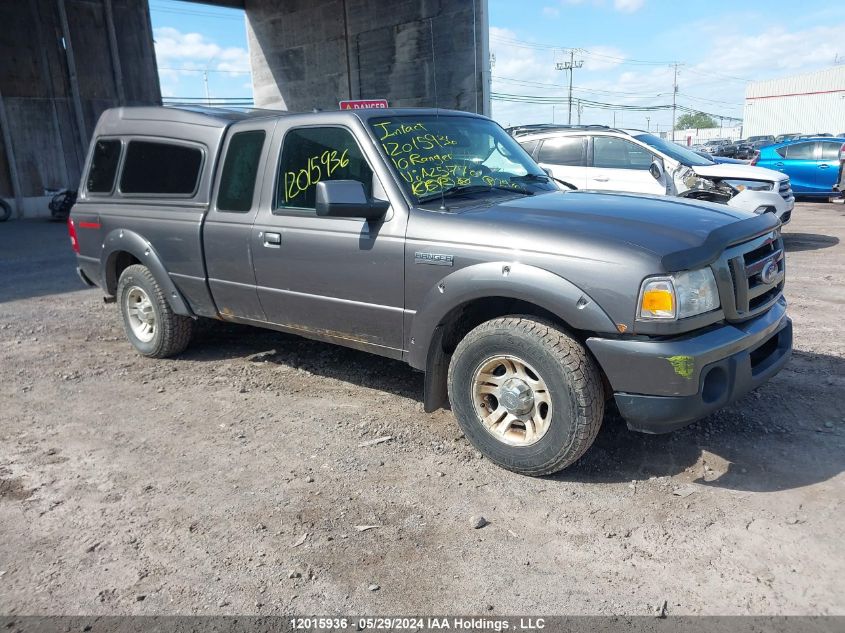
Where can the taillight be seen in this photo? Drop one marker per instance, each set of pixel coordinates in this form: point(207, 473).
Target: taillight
point(756, 158)
point(71, 230)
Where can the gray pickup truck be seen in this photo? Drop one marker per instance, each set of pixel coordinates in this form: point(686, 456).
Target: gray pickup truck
point(430, 236)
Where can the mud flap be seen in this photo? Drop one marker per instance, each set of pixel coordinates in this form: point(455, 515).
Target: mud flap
point(436, 374)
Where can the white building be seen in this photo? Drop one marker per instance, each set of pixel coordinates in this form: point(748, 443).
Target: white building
point(811, 103)
point(702, 135)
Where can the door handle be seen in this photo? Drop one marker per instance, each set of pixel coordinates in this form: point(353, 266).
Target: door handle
point(273, 240)
point(824, 166)
point(601, 179)
point(778, 164)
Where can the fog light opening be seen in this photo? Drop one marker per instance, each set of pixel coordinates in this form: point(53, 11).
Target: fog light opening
point(715, 385)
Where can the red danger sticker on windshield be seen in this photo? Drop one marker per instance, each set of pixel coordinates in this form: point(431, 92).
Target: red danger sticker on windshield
point(362, 104)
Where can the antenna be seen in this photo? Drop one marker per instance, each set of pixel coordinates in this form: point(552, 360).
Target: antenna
point(433, 61)
point(443, 206)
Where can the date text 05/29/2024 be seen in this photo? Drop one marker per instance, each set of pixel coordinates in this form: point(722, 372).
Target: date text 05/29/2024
point(419, 623)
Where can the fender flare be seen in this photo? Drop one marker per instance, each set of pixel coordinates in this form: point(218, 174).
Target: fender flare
point(123, 240)
point(509, 280)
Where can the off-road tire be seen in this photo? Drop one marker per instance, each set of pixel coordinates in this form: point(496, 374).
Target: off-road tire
point(573, 380)
point(172, 333)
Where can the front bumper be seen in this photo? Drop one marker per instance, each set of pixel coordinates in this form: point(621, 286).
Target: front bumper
point(752, 200)
point(663, 385)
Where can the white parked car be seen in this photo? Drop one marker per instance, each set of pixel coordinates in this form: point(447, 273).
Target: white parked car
point(608, 159)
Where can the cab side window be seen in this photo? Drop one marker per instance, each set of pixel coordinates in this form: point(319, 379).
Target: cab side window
point(312, 155)
point(616, 153)
point(237, 181)
point(565, 150)
point(103, 166)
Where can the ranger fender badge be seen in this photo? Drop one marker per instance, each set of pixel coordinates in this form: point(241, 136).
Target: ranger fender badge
point(435, 259)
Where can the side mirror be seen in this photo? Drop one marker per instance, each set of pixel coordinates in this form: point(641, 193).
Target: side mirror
point(656, 170)
point(347, 199)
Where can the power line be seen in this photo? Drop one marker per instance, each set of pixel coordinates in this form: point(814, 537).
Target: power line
point(201, 70)
point(549, 100)
point(589, 53)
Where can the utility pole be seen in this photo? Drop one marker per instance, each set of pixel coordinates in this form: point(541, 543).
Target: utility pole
point(580, 107)
point(570, 66)
point(674, 98)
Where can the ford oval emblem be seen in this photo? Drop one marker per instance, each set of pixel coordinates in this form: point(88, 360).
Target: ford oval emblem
point(769, 272)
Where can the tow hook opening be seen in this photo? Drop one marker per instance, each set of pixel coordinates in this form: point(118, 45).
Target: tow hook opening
point(715, 385)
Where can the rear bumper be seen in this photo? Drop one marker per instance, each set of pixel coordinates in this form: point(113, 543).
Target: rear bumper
point(661, 386)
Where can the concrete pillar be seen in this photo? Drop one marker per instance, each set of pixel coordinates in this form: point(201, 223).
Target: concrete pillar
point(64, 62)
point(309, 54)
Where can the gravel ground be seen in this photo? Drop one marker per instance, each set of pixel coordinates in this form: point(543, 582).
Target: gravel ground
point(233, 479)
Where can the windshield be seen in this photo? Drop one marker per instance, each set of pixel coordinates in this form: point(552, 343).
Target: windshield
point(673, 150)
point(433, 154)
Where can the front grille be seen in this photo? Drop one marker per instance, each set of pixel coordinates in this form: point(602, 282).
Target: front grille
point(752, 276)
point(785, 190)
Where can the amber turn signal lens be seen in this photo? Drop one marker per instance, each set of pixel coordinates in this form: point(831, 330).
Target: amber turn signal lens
point(658, 301)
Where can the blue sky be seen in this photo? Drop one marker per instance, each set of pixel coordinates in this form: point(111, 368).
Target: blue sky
point(627, 47)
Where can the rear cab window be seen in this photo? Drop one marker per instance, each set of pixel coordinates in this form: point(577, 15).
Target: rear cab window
point(315, 154)
point(103, 168)
point(240, 169)
point(159, 168)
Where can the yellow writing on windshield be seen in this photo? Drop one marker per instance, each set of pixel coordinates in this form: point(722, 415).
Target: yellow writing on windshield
point(431, 162)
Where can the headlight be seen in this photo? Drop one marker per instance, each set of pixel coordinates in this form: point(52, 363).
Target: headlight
point(751, 185)
point(678, 296)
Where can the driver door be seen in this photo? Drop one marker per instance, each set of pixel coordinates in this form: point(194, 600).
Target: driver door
point(337, 279)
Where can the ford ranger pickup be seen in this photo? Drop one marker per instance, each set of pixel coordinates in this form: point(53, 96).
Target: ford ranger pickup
point(432, 237)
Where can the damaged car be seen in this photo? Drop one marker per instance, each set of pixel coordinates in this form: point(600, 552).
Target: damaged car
point(609, 159)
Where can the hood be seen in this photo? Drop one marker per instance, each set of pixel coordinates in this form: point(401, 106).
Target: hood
point(603, 243)
point(729, 170)
point(608, 222)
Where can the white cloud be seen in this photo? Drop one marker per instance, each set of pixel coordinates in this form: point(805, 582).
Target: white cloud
point(193, 51)
point(551, 12)
point(628, 6)
point(182, 58)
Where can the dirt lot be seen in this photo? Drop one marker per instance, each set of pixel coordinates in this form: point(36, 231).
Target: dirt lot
point(223, 482)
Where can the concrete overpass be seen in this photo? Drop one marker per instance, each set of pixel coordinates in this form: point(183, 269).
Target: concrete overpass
point(65, 61)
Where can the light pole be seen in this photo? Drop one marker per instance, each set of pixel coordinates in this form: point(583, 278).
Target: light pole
point(648, 124)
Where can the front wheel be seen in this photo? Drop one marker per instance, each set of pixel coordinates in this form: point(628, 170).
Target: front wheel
point(149, 322)
point(526, 394)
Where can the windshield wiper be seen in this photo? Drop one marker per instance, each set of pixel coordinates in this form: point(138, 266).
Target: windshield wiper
point(542, 178)
point(462, 189)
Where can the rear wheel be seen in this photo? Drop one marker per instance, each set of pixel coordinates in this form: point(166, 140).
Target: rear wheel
point(5, 211)
point(526, 394)
point(149, 322)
